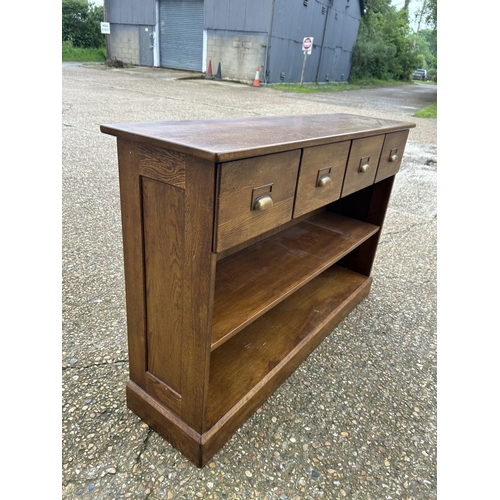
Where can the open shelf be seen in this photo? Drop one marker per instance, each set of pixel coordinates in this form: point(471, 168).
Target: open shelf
point(251, 282)
point(243, 364)
point(224, 303)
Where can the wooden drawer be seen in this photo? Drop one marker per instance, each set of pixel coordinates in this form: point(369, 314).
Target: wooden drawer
point(392, 152)
point(321, 174)
point(254, 196)
point(362, 165)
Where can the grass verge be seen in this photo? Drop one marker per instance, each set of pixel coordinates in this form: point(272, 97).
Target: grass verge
point(70, 53)
point(428, 112)
point(310, 88)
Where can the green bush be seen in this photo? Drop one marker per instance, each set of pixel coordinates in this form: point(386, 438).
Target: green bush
point(432, 74)
point(81, 24)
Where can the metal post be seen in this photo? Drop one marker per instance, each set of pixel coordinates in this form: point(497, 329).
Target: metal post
point(303, 68)
point(106, 37)
point(328, 7)
point(267, 72)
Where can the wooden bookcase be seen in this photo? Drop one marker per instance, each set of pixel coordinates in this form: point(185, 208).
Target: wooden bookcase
point(246, 241)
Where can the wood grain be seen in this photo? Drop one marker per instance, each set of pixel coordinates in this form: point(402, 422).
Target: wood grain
point(387, 168)
point(236, 219)
point(256, 279)
point(224, 303)
point(369, 204)
point(309, 196)
point(133, 256)
point(197, 290)
point(163, 393)
point(236, 138)
point(243, 362)
point(162, 165)
point(163, 207)
point(361, 148)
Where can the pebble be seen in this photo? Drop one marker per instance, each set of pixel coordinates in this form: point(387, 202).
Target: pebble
point(350, 379)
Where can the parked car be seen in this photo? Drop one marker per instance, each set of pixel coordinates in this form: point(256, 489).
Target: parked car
point(420, 74)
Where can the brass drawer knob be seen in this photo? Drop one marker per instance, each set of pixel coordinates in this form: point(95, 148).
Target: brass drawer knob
point(264, 202)
point(393, 158)
point(324, 181)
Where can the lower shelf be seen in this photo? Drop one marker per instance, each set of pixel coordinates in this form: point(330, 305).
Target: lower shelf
point(246, 362)
point(249, 367)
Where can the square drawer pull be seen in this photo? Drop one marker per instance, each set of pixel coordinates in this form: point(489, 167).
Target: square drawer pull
point(262, 197)
point(324, 179)
point(364, 164)
point(393, 157)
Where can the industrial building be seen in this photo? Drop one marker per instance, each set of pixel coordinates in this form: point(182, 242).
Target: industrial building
point(238, 35)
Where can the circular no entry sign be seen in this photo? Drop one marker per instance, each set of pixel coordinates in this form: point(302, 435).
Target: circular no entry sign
point(307, 43)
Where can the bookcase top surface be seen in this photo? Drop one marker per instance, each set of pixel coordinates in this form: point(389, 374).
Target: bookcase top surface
point(234, 138)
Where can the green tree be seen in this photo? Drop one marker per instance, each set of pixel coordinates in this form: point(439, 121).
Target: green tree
point(81, 24)
point(430, 13)
point(426, 46)
point(384, 48)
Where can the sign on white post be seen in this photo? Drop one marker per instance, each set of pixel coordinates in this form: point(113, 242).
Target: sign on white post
point(307, 44)
point(105, 28)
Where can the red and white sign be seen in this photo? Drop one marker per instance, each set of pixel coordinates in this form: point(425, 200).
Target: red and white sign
point(307, 44)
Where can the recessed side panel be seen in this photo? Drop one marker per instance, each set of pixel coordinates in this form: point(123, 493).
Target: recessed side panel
point(163, 209)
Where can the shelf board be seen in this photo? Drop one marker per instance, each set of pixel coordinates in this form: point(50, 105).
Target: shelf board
point(251, 282)
point(270, 347)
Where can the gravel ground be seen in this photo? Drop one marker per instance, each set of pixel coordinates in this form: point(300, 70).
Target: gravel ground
point(358, 418)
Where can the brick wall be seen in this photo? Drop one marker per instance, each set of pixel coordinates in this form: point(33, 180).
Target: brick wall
point(239, 54)
point(124, 43)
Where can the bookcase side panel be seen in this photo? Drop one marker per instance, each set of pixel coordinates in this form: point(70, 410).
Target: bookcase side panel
point(198, 289)
point(133, 257)
point(179, 274)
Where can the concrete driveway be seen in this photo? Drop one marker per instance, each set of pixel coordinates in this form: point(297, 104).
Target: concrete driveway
point(357, 420)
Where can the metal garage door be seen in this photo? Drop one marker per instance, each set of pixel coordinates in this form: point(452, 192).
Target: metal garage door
point(181, 34)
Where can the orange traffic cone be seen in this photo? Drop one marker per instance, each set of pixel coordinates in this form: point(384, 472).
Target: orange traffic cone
point(256, 82)
point(209, 72)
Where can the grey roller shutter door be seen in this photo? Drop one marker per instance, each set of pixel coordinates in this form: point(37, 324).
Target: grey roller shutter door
point(181, 34)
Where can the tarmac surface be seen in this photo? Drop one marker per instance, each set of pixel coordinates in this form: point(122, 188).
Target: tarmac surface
point(357, 420)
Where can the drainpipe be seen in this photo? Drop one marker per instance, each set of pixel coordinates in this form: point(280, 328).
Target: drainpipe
point(328, 7)
point(269, 35)
point(156, 40)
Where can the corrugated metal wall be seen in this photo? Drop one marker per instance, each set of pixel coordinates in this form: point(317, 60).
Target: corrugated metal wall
point(334, 26)
point(340, 38)
point(284, 23)
point(132, 12)
point(238, 15)
point(332, 23)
